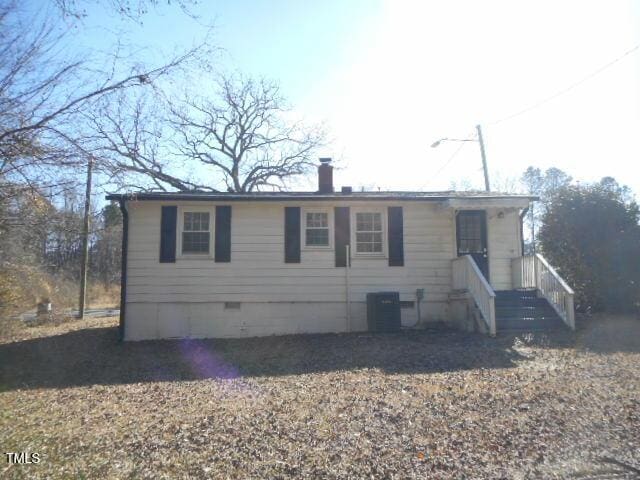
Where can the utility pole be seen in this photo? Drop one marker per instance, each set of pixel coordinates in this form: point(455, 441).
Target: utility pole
point(85, 242)
point(484, 159)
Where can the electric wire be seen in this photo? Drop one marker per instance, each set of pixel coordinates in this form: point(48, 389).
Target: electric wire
point(539, 104)
point(567, 89)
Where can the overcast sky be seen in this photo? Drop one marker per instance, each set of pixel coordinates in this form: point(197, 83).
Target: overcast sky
point(391, 77)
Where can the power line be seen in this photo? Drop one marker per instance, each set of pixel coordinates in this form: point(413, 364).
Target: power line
point(569, 88)
point(540, 103)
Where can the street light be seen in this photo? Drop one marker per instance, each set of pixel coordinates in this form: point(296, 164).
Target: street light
point(438, 142)
point(482, 153)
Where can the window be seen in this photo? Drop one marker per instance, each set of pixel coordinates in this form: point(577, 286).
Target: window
point(369, 232)
point(196, 234)
point(469, 233)
point(317, 229)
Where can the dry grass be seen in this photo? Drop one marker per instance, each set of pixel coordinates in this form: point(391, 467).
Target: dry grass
point(103, 296)
point(22, 288)
point(426, 404)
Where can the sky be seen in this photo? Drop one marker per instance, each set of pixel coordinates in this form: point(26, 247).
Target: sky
point(388, 78)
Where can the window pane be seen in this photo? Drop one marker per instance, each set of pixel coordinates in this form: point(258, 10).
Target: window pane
point(317, 229)
point(377, 222)
point(368, 222)
point(196, 221)
point(369, 232)
point(317, 236)
point(317, 220)
point(364, 247)
point(204, 221)
point(364, 221)
point(188, 221)
point(364, 237)
point(195, 242)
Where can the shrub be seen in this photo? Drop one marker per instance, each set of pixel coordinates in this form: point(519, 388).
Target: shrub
point(591, 234)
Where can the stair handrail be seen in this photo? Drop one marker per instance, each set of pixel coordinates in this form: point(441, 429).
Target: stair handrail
point(467, 276)
point(561, 299)
point(553, 272)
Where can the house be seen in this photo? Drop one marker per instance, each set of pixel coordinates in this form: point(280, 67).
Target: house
point(267, 263)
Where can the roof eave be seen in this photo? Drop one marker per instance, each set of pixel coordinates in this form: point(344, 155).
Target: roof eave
point(226, 197)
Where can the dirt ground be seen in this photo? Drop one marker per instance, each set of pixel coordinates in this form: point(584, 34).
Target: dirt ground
point(431, 404)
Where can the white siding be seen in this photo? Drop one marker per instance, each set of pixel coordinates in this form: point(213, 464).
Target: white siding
point(186, 298)
point(503, 232)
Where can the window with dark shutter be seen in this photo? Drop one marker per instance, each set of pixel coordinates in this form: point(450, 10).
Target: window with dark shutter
point(369, 233)
point(196, 233)
point(316, 229)
point(396, 237)
point(223, 233)
point(292, 234)
point(168, 219)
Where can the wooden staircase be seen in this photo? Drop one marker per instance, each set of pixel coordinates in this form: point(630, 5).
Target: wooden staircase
point(541, 300)
point(523, 310)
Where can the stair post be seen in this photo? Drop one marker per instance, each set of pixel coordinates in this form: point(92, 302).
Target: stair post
point(571, 314)
point(492, 317)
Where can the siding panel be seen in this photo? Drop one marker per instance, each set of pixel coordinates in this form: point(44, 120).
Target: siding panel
point(504, 244)
point(279, 293)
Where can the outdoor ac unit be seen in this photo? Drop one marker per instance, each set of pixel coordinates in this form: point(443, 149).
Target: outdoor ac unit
point(383, 311)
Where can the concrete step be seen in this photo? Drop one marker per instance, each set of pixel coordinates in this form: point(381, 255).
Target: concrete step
point(516, 293)
point(525, 301)
point(552, 323)
point(529, 320)
point(544, 305)
point(525, 329)
point(516, 297)
point(524, 306)
point(525, 312)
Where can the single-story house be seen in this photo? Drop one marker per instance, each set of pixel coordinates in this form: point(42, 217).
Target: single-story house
point(201, 264)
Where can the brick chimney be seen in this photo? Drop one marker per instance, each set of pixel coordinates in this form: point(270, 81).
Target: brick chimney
point(325, 176)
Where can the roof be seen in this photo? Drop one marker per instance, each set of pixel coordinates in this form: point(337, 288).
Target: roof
point(311, 196)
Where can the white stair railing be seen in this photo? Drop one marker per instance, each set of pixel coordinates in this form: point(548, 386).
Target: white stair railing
point(467, 276)
point(533, 271)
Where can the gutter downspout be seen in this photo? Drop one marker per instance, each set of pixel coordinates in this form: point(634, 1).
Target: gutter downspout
point(347, 287)
point(123, 267)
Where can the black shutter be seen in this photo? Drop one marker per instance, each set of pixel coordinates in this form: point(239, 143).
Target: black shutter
point(223, 233)
point(168, 234)
point(396, 237)
point(342, 235)
point(292, 235)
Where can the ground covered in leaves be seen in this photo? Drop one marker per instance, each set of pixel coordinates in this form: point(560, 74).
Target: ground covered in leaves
point(436, 404)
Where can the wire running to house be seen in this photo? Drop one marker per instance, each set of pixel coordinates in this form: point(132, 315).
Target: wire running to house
point(567, 89)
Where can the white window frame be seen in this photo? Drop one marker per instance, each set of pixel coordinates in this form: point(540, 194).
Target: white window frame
point(383, 224)
point(303, 227)
point(180, 229)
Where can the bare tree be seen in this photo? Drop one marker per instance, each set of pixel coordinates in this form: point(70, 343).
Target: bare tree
point(130, 136)
point(241, 139)
point(132, 9)
point(244, 134)
point(44, 96)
